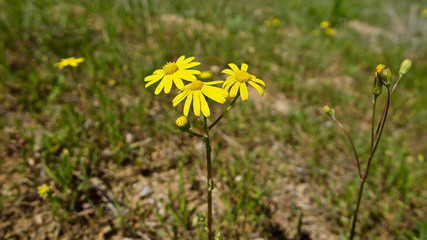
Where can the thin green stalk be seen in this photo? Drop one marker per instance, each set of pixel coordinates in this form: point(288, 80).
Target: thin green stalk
point(371, 155)
point(352, 144)
point(225, 111)
point(209, 174)
point(373, 122)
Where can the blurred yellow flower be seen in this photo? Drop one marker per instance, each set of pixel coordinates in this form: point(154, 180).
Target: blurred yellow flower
point(173, 72)
point(325, 24)
point(205, 75)
point(238, 79)
point(424, 13)
point(73, 62)
point(273, 21)
point(43, 191)
point(195, 92)
point(330, 31)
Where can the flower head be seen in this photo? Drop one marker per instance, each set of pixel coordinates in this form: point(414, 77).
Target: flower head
point(173, 72)
point(43, 191)
point(205, 75)
point(330, 31)
point(73, 62)
point(379, 69)
point(183, 123)
point(238, 80)
point(325, 24)
point(195, 93)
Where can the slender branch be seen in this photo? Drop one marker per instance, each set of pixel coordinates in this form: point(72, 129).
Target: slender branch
point(371, 155)
point(209, 175)
point(352, 144)
point(195, 134)
point(223, 113)
point(373, 122)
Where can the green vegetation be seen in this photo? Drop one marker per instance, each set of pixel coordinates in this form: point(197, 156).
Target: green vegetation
point(99, 139)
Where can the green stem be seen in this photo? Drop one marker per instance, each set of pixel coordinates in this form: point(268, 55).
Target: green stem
point(371, 155)
point(373, 122)
point(225, 111)
point(209, 175)
point(352, 144)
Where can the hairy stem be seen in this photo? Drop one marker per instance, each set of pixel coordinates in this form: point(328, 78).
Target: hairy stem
point(209, 175)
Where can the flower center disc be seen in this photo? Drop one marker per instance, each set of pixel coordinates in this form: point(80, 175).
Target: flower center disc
point(196, 85)
point(170, 68)
point(242, 76)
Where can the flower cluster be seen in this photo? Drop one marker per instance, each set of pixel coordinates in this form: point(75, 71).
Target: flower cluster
point(326, 28)
point(196, 91)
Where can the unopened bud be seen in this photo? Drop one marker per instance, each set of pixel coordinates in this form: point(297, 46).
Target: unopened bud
point(405, 66)
point(328, 110)
point(386, 76)
point(378, 86)
point(183, 123)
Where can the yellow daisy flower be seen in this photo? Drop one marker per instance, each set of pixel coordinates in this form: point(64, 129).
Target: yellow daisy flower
point(238, 79)
point(73, 62)
point(325, 24)
point(173, 72)
point(195, 92)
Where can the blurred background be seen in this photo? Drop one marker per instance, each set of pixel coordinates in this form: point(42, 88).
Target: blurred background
point(117, 167)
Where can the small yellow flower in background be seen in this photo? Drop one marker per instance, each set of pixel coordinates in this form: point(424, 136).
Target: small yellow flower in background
point(205, 75)
point(111, 82)
point(325, 24)
point(173, 72)
point(195, 93)
point(273, 21)
point(379, 69)
point(330, 31)
point(73, 62)
point(424, 13)
point(238, 79)
point(65, 153)
point(43, 191)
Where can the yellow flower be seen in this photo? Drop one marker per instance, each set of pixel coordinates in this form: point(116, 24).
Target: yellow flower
point(238, 79)
point(43, 191)
point(205, 75)
point(424, 13)
point(173, 72)
point(275, 21)
point(195, 92)
point(183, 123)
point(73, 62)
point(330, 31)
point(379, 69)
point(325, 24)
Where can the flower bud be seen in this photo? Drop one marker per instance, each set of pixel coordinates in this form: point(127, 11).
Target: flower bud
point(386, 76)
point(405, 66)
point(183, 123)
point(378, 86)
point(328, 110)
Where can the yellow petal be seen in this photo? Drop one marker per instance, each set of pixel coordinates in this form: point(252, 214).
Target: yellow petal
point(205, 107)
point(234, 67)
point(257, 80)
point(178, 82)
point(186, 76)
point(258, 88)
point(213, 82)
point(154, 77)
point(227, 86)
point(179, 97)
point(160, 87)
point(244, 67)
point(188, 103)
point(215, 93)
point(189, 65)
point(243, 92)
point(196, 103)
point(180, 60)
point(168, 85)
point(188, 60)
point(234, 89)
point(228, 71)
